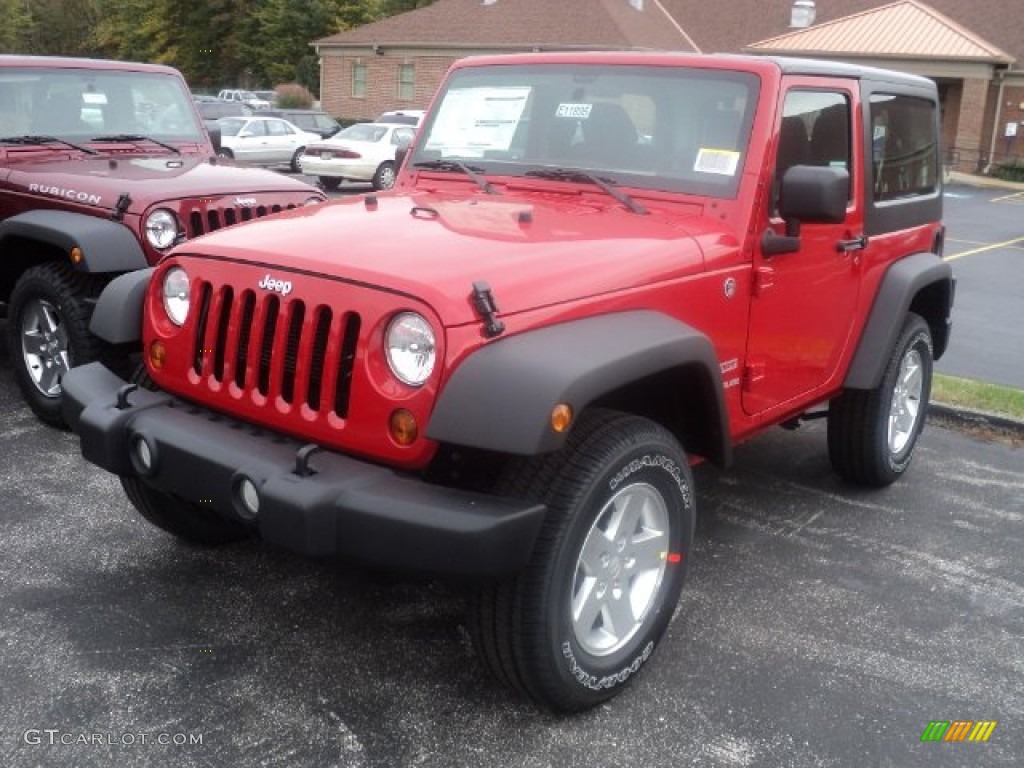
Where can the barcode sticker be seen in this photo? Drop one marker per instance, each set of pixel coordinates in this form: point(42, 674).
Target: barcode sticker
point(721, 161)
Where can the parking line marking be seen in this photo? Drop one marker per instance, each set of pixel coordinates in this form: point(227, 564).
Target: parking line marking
point(1016, 196)
point(993, 246)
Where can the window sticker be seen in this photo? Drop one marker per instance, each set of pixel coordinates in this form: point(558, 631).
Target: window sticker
point(723, 162)
point(578, 111)
point(473, 121)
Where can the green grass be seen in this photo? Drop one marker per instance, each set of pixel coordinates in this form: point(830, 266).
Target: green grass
point(978, 395)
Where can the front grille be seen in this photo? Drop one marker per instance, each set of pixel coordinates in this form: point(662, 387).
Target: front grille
point(199, 222)
point(273, 347)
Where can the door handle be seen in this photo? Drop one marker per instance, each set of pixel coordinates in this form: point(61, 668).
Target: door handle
point(856, 244)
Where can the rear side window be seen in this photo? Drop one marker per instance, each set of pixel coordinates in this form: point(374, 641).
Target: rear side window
point(904, 146)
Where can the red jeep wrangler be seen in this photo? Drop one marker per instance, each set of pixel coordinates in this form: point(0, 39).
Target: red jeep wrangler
point(103, 167)
point(596, 270)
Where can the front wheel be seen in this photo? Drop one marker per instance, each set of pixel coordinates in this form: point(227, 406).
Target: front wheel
point(384, 178)
point(330, 183)
point(608, 566)
point(872, 433)
point(48, 333)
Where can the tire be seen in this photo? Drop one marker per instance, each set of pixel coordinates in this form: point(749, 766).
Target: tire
point(384, 178)
point(296, 167)
point(577, 624)
point(227, 154)
point(48, 333)
point(872, 434)
point(186, 520)
point(329, 183)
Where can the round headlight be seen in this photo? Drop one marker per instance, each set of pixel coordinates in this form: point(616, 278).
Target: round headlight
point(176, 293)
point(161, 228)
point(411, 348)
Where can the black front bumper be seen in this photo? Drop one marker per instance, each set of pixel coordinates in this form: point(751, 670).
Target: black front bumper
point(338, 506)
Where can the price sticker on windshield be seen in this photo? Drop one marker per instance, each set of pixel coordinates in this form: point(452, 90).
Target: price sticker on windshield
point(724, 162)
point(578, 111)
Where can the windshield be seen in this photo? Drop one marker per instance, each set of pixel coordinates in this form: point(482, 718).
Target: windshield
point(79, 104)
point(669, 128)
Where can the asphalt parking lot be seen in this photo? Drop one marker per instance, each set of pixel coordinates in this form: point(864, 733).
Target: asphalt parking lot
point(821, 626)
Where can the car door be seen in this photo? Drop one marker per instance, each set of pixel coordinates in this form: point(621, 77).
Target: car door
point(252, 142)
point(282, 141)
point(804, 301)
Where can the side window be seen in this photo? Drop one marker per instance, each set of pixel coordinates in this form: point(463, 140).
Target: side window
point(256, 128)
point(278, 128)
point(815, 130)
point(401, 137)
point(904, 147)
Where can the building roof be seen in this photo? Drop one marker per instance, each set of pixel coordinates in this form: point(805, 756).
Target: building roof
point(904, 29)
point(543, 24)
point(687, 25)
point(747, 21)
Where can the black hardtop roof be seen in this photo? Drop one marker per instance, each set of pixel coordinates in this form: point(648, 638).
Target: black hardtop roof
point(792, 65)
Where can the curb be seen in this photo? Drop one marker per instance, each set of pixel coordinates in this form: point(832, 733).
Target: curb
point(959, 417)
point(983, 182)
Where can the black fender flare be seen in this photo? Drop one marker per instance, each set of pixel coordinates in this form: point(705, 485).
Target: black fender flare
point(501, 397)
point(107, 246)
point(117, 317)
point(903, 282)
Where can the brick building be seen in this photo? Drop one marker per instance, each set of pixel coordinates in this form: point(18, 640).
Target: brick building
point(974, 49)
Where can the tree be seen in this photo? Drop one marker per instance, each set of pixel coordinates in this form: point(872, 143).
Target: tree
point(16, 27)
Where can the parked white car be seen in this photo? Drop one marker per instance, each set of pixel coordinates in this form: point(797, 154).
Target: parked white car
point(263, 140)
point(248, 98)
point(361, 152)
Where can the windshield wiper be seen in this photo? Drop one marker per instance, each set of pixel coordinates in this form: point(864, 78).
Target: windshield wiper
point(135, 137)
point(457, 165)
point(568, 174)
point(46, 140)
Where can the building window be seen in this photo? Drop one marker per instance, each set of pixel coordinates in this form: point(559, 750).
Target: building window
point(358, 80)
point(406, 82)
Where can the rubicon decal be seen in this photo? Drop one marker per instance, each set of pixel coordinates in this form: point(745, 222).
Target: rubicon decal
point(959, 730)
point(269, 283)
point(67, 194)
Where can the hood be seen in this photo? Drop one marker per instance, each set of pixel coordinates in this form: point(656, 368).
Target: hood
point(533, 250)
point(99, 181)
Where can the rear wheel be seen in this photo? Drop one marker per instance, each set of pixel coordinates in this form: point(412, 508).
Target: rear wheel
point(296, 167)
point(608, 565)
point(384, 178)
point(48, 333)
point(872, 434)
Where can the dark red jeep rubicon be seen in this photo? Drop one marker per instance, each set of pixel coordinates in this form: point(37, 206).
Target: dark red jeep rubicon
point(103, 167)
point(596, 270)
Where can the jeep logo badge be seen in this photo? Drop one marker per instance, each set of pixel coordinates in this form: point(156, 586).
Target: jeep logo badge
point(245, 202)
point(269, 283)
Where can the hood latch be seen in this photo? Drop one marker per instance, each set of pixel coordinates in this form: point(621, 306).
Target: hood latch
point(484, 304)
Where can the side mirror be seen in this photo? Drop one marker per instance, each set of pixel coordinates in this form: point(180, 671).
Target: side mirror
point(244, 134)
point(814, 194)
point(809, 194)
point(214, 132)
point(400, 155)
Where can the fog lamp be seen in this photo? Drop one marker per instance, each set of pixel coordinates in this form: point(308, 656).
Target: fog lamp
point(142, 454)
point(248, 497)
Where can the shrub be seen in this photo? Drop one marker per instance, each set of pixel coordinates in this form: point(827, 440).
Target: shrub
point(293, 96)
point(1011, 170)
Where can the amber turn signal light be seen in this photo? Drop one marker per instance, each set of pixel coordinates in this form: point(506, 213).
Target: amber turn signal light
point(77, 255)
point(157, 355)
point(403, 427)
point(561, 417)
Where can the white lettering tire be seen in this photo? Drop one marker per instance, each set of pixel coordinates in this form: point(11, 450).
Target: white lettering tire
point(608, 566)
